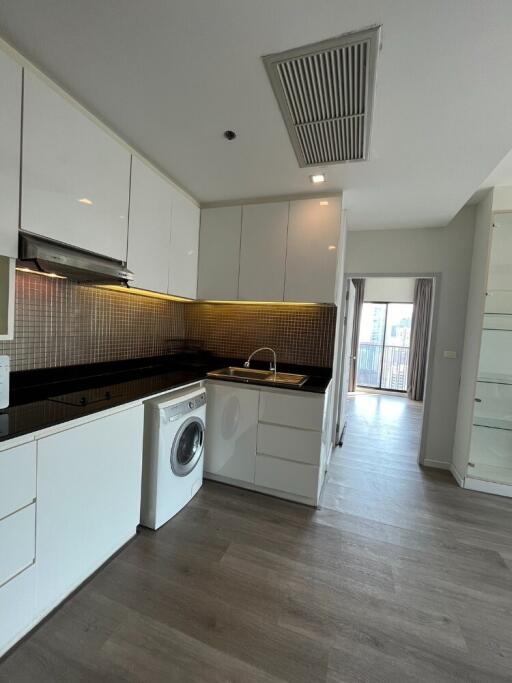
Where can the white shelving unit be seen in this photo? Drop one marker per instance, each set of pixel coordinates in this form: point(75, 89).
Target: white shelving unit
point(490, 453)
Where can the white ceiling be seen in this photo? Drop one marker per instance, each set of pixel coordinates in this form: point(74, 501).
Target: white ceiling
point(501, 175)
point(171, 75)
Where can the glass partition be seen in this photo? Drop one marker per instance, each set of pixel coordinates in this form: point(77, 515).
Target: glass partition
point(491, 443)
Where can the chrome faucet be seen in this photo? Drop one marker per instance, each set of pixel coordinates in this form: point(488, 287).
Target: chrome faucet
point(273, 365)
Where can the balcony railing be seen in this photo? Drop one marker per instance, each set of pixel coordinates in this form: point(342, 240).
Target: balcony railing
point(382, 367)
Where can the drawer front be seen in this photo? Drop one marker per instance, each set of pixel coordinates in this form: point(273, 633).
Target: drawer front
point(304, 412)
point(17, 541)
point(286, 442)
point(17, 608)
point(284, 475)
point(17, 478)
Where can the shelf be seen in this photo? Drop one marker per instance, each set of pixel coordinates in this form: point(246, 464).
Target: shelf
point(498, 313)
point(490, 473)
point(493, 423)
point(494, 378)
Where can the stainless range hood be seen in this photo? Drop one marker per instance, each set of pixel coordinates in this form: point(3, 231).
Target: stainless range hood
point(75, 264)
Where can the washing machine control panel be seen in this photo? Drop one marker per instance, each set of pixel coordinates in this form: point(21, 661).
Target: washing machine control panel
point(174, 412)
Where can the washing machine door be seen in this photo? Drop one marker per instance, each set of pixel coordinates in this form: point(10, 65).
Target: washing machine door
point(187, 446)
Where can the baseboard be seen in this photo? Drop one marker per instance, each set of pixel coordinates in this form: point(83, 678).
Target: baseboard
point(436, 464)
point(282, 495)
point(457, 475)
point(488, 487)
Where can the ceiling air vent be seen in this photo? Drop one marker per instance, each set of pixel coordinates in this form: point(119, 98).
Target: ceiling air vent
point(325, 92)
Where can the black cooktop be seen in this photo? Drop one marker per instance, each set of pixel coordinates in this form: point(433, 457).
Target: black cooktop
point(86, 398)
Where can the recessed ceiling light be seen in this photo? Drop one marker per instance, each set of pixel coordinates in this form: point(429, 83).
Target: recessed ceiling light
point(324, 203)
point(331, 247)
point(84, 200)
point(317, 178)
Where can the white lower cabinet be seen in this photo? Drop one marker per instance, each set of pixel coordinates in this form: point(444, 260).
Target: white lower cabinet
point(17, 542)
point(289, 443)
point(17, 608)
point(287, 476)
point(17, 478)
point(88, 500)
point(232, 419)
point(268, 440)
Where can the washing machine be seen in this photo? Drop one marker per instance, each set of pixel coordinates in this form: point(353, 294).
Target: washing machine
point(172, 465)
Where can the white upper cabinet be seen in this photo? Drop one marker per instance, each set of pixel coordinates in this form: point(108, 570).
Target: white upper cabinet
point(263, 252)
point(219, 253)
point(277, 251)
point(10, 130)
point(149, 231)
point(184, 247)
point(75, 176)
point(311, 260)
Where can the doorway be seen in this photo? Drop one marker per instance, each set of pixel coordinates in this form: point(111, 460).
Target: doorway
point(383, 356)
point(384, 345)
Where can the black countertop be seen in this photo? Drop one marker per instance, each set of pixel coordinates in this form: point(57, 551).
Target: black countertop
point(44, 398)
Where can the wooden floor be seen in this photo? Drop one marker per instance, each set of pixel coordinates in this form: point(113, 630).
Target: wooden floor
point(399, 576)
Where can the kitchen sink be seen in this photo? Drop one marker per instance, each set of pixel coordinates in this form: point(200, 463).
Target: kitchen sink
point(268, 377)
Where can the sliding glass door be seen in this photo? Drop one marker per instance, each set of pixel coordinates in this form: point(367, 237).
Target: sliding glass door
point(384, 340)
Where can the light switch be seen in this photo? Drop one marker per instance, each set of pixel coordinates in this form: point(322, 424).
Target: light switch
point(450, 354)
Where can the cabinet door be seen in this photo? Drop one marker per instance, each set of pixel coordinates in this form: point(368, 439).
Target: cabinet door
point(311, 260)
point(231, 430)
point(88, 500)
point(263, 252)
point(184, 247)
point(10, 130)
point(149, 231)
point(75, 176)
point(219, 253)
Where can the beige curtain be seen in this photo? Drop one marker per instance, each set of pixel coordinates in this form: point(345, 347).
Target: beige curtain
point(358, 309)
point(419, 338)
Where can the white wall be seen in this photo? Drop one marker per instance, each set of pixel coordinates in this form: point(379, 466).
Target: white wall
point(447, 251)
point(473, 333)
point(396, 290)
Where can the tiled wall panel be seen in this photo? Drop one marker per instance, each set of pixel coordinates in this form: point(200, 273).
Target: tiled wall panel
point(61, 323)
point(299, 334)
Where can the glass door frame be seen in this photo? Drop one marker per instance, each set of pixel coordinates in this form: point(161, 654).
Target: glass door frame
point(383, 346)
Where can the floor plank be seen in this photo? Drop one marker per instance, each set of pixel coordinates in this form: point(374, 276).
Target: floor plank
point(399, 575)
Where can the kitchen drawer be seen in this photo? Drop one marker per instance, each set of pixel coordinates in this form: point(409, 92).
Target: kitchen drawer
point(284, 475)
point(17, 541)
point(304, 412)
point(287, 442)
point(17, 608)
point(17, 478)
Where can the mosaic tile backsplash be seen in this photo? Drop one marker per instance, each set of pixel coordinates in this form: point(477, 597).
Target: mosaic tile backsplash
point(299, 334)
point(58, 322)
point(61, 323)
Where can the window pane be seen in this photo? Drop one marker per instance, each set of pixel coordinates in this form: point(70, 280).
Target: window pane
point(398, 329)
point(373, 323)
point(371, 338)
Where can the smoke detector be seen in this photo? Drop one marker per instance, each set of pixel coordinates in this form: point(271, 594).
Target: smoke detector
point(325, 92)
